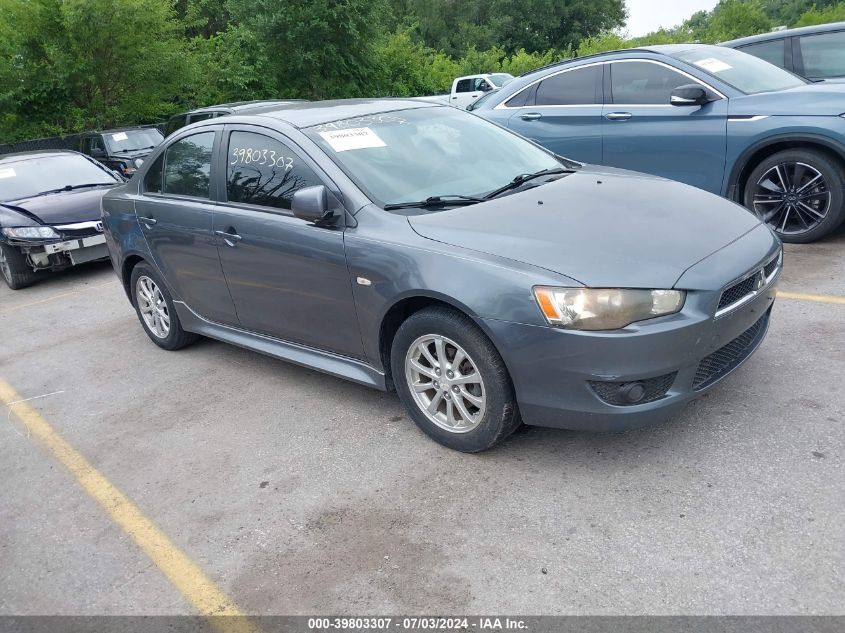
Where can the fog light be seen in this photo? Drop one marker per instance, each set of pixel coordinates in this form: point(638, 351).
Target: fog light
point(632, 392)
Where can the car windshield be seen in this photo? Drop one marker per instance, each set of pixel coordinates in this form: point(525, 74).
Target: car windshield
point(130, 140)
point(500, 79)
point(31, 175)
point(411, 155)
point(742, 71)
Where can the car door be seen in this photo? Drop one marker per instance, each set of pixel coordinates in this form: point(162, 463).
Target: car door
point(288, 277)
point(466, 91)
point(644, 132)
point(563, 113)
point(175, 213)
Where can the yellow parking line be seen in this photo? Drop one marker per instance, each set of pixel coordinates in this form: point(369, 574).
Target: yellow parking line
point(197, 588)
point(801, 296)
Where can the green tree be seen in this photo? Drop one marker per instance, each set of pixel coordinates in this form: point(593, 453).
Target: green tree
point(71, 64)
point(736, 18)
point(832, 13)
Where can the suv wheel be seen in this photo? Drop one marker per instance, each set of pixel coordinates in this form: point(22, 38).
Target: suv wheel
point(155, 310)
point(13, 267)
point(452, 381)
point(799, 193)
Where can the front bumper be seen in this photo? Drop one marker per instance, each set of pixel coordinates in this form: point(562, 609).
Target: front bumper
point(57, 254)
point(558, 374)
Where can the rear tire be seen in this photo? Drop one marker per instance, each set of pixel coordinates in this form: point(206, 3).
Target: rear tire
point(452, 381)
point(155, 310)
point(798, 193)
point(13, 267)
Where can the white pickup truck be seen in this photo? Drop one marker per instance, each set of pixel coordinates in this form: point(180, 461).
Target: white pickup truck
point(467, 89)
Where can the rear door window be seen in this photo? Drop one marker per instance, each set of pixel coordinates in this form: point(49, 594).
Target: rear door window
point(573, 87)
point(187, 166)
point(823, 54)
point(263, 171)
point(772, 51)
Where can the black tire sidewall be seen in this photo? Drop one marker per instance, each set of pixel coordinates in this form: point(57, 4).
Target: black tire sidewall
point(21, 274)
point(501, 416)
point(176, 337)
point(830, 169)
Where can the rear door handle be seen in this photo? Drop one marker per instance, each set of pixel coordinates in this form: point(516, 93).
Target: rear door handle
point(231, 238)
point(531, 116)
point(148, 222)
point(618, 116)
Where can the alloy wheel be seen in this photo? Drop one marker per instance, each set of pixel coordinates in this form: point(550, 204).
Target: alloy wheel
point(792, 198)
point(153, 307)
point(445, 383)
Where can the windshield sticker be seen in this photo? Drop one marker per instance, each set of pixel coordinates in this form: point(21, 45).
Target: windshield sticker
point(713, 65)
point(8, 172)
point(120, 136)
point(352, 138)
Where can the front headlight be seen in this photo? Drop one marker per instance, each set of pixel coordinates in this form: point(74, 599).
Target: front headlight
point(31, 232)
point(138, 162)
point(604, 308)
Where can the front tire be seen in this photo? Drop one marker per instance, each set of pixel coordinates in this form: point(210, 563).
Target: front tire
point(154, 307)
point(452, 381)
point(13, 267)
point(798, 193)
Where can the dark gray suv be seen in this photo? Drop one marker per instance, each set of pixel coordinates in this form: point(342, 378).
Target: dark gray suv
point(398, 243)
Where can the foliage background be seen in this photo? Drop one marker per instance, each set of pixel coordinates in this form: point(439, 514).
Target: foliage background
point(71, 65)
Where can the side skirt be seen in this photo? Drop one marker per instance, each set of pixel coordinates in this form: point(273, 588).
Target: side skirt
point(319, 360)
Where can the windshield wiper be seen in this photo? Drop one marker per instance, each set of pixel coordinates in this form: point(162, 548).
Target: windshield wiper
point(435, 201)
point(72, 187)
point(523, 178)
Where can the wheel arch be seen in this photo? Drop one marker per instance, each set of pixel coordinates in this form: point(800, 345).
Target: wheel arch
point(129, 263)
point(761, 150)
point(404, 307)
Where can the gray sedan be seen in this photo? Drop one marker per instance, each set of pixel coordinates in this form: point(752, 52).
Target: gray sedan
point(406, 245)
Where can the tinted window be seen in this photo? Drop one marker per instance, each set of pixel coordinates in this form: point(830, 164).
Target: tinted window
point(823, 54)
point(152, 181)
point(464, 85)
point(187, 166)
point(264, 171)
point(771, 51)
point(575, 87)
point(644, 83)
point(175, 123)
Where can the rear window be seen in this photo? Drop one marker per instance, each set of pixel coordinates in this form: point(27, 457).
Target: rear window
point(573, 87)
point(823, 55)
point(187, 166)
point(772, 51)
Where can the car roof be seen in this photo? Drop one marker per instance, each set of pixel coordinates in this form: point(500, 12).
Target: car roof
point(235, 106)
point(16, 156)
point(776, 35)
point(308, 113)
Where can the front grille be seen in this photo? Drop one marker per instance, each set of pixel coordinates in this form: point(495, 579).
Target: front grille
point(655, 389)
point(749, 285)
point(727, 358)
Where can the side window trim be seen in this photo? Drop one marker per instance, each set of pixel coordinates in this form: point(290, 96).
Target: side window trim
point(530, 101)
point(609, 100)
point(222, 161)
point(212, 188)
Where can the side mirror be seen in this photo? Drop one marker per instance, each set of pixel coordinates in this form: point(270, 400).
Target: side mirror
point(689, 95)
point(312, 205)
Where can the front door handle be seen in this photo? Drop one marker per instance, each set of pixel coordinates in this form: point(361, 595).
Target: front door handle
point(618, 116)
point(147, 222)
point(531, 116)
point(230, 237)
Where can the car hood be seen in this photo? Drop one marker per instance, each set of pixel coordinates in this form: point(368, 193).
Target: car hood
point(600, 226)
point(818, 99)
point(66, 207)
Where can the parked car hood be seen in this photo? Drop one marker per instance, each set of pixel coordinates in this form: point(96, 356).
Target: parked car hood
point(817, 99)
point(600, 226)
point(66, 207)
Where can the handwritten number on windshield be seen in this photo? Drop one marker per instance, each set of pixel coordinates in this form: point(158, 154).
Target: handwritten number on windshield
point(255, 156)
